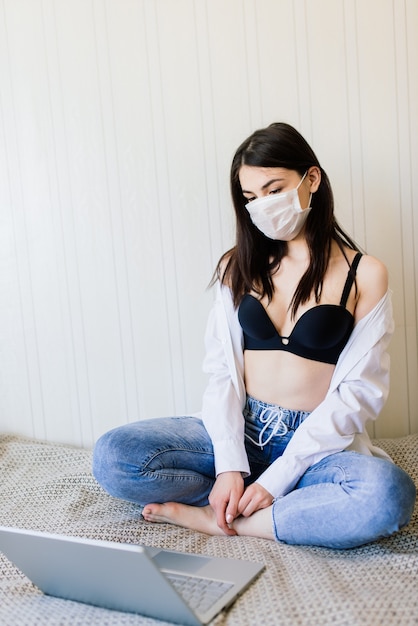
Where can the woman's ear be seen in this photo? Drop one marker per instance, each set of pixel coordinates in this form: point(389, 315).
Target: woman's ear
point(314, 178)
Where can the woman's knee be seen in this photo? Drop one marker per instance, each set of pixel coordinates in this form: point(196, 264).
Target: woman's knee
point(164, 459)
point(126, 448)
point(397, 495)
point(362, 499)
point(389, 495)
point(109, 458)
point(134, 459)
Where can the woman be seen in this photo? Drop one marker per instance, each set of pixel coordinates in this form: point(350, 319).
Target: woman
point(296, 351)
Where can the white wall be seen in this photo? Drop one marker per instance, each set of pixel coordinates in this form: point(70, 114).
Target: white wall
point(118, 122)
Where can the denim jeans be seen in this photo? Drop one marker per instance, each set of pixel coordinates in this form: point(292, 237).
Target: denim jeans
point(345, 500)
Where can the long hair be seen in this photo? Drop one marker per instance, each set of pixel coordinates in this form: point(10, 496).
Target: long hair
point(250, 263)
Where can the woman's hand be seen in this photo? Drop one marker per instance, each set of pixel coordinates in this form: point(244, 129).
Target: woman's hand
point(224, 498)
point(255, 497)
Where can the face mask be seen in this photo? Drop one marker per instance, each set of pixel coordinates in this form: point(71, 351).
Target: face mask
point(279, 216)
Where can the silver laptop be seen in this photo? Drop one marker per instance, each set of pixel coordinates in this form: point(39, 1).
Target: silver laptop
point(173, 586)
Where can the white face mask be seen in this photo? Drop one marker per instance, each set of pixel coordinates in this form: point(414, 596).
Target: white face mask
point(279, 216)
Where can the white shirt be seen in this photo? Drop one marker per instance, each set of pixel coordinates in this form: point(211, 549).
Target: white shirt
point(357, 393)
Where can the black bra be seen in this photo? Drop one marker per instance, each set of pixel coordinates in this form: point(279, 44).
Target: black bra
point(320, 334)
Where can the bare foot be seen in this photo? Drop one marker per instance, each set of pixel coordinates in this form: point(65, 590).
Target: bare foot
point(203, 519)
point(197, 518)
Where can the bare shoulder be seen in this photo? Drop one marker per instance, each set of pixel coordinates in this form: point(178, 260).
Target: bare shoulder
point(372, 282)
point(223, 266)
point(225, 259)
point(371, 269)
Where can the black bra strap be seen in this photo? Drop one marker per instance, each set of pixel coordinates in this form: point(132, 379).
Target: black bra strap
point(350, 279)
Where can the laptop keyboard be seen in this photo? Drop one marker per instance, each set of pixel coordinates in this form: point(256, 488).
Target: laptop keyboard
point(199, 593)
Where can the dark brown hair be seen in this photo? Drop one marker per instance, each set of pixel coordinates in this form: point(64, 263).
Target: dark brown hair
point(250, 263)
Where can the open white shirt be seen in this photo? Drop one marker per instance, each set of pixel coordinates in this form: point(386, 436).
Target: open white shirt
point(357, 393)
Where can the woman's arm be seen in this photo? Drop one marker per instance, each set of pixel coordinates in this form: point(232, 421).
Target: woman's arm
point(222, 408)
point(224, 397)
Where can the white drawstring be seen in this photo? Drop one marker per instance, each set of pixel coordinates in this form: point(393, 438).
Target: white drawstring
point(267, 421)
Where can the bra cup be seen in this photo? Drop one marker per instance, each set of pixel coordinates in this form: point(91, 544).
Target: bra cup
point(255, 320)
point(320, 334)
point(322, 327)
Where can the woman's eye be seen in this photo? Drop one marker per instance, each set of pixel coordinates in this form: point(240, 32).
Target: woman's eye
point(250, 199)
point(273, 191)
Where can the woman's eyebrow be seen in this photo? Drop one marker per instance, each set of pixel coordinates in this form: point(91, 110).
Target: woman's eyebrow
point(267, 184)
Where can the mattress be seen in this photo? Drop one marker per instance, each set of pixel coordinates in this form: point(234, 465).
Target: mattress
point(49, 487)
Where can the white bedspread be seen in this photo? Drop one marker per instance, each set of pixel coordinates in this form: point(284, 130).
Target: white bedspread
point(49, 487)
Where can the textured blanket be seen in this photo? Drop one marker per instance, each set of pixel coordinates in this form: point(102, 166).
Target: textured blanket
point(49, 487)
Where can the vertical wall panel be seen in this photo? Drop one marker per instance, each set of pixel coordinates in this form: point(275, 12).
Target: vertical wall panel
point(136, 106)
point(407, 326)
point(411, 24)
point(94, 288)
point(380, 134)
point(352, 214)
point(24, 121)
point(15, 381)
point(78, 422)
point(118, 122)
point(210, 197)
point(329, 100)
point(181, 209)
point(276, 31)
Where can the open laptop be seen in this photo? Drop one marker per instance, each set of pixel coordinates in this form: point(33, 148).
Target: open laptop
point(128, 577)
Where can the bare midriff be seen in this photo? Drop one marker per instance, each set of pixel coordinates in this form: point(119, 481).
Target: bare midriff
point(286, 379)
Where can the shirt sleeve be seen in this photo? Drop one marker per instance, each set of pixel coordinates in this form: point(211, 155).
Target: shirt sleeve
point(222, 401)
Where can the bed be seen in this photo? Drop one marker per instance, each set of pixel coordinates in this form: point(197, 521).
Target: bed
point(49, 487)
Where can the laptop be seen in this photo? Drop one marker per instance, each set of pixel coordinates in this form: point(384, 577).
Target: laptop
point(158, 583)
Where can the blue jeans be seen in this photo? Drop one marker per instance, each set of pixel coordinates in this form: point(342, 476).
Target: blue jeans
point(345, 500)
